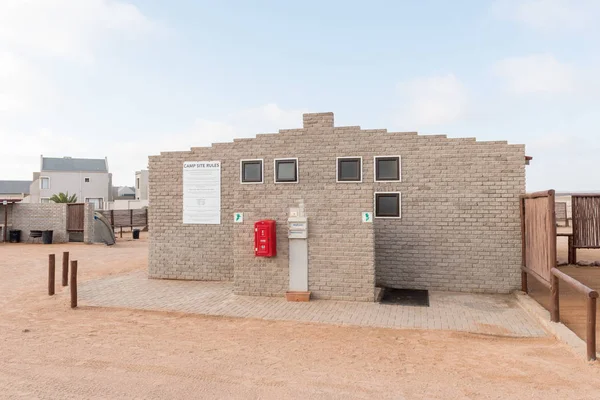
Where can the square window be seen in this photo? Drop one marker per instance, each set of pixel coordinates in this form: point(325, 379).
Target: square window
point(286, 170)
point(251, 171)
point(387, 205)
point(86, 180)
point(349, 169)
point(44, 183)
point(387, 169)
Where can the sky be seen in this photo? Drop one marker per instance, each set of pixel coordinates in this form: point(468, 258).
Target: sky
point(128, 79)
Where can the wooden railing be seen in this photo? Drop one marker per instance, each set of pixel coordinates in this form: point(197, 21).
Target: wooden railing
point(591, 296)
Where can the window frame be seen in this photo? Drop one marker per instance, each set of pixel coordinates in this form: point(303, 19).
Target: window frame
point(375, 158)
point(87, 179)
point(41, 180)
point(262, 171)
point(399, 216)
point(85, 200)
point(295, 159)
point(338, 170)
point(45, 202)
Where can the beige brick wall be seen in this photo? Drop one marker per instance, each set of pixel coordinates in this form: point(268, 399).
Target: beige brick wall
point(459, 228)
point(88, 223)
point(341, 254)
point(194, 252)
point(41, 216)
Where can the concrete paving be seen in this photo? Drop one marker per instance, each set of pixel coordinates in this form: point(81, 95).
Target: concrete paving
point(477, 313)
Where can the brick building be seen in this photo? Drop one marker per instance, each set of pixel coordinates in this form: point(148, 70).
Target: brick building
point(446, 212)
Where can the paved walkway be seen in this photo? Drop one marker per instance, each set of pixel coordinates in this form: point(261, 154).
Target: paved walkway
point(487, 314)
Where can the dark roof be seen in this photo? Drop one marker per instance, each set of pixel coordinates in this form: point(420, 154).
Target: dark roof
point(74, 164)
point(14, 187)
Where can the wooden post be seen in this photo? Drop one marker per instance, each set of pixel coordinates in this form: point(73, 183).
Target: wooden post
point(65, 269)
point(570, 250)
point(524, 287)
point(131, 220)
point(552, 227)
point(121, 232)
point(73, 283)
point(5, 229)
point(554, 300)
point(51, 275)
point(591, 328)
point(523, 233)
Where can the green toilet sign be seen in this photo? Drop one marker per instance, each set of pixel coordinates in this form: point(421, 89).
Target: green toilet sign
point(367, 217)
point(238, 217)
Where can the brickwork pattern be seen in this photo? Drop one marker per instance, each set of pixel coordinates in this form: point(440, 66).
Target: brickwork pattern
point(494, 314)
point(41, 216)
point(88, 223)
point(460, 226)
point(459, 229)
point(192, 252)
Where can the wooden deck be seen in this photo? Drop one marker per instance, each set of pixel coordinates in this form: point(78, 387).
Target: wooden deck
point(572, 303)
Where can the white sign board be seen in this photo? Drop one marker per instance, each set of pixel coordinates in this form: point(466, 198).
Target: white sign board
point(238, 217)
point(367, 217)
point(202, 192)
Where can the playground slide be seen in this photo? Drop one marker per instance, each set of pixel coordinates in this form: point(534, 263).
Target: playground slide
point(103, 232)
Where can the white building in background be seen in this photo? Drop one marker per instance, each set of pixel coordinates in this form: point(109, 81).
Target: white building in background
point(86, 178)
point(141, 185)
point(131, 198)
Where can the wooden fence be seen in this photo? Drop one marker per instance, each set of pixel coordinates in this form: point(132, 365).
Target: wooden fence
point(561, 212)
point(127, 218)
point(538, 228)
point(75, 215)
point(586, 221)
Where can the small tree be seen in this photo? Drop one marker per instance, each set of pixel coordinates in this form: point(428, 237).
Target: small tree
point(63, 198)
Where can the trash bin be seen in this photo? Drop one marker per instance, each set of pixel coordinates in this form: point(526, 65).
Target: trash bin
point(15, 236)
point(136, 233)
point(47, 237)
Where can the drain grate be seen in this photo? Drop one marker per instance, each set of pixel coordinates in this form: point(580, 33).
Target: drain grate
point(405, 297)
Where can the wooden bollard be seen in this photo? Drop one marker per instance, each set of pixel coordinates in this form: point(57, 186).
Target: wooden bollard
point(51, 277)
point(554, 300)
point(65, 269)
point(591, 328)
point(73, 283)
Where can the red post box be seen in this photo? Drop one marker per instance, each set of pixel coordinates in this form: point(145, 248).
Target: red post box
point(265, 241)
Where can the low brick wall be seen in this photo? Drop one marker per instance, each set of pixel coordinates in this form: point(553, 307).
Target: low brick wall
point(47, 216)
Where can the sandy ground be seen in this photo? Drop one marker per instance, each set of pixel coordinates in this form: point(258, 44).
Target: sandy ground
point(51, 351)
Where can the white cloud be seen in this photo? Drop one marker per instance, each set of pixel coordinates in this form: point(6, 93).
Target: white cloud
point(432, 101)
point(550, 14)
point(22, 156)
point(538, 73)
point(22, 86)
point(67, 28)
point(34, 32)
